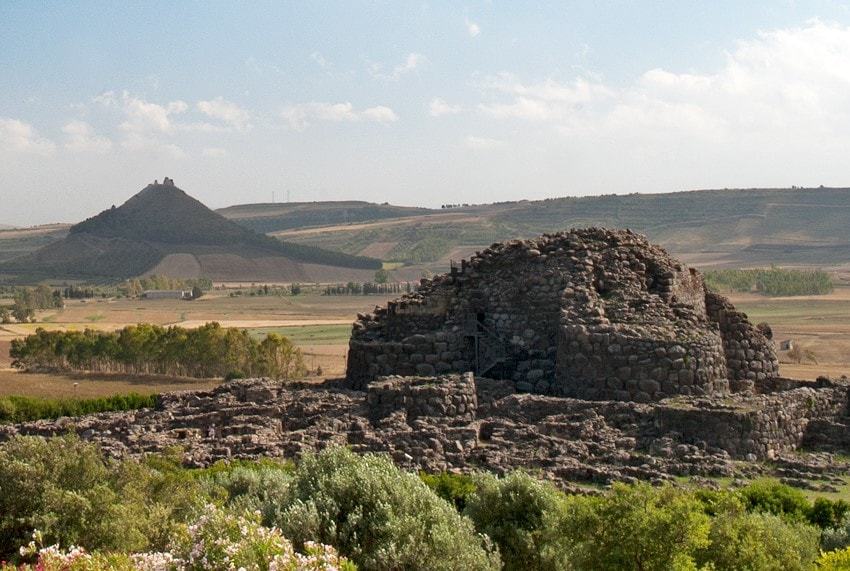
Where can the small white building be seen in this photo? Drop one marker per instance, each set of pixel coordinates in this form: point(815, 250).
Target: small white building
point(167, 294)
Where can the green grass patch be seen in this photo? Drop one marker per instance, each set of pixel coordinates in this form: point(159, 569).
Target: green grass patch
point(308, 334)
point(25, 409)
point(772, 282)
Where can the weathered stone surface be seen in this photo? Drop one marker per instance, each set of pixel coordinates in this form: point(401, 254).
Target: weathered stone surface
point(458, 423)
point(569, 314)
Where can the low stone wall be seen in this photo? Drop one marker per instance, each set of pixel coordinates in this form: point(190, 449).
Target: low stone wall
point(451, 396)
point(754, 426)
point(428, 354)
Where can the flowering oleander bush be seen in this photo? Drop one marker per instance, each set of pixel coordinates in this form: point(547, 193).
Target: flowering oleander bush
point(216, 540)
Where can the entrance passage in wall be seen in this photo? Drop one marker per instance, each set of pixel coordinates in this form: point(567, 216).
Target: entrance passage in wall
point(487, 346)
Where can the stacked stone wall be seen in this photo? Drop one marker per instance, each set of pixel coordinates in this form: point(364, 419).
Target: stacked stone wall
point(755, 426)
point(452, 397)
point(750, 356)
point(615, 366)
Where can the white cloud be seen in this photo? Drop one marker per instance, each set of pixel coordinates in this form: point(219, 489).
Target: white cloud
point(18, 136)
point(143, 116)
point(483, 143)
point(781, 87)
point(473, 29)
point(214, 152)
point(300, 116)
point(412, 62)
point(82, 138)
point(438, 107)
point(152, 146)
point(226, 111)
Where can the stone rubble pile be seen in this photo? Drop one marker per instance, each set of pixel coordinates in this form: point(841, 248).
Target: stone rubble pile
point(491, 428)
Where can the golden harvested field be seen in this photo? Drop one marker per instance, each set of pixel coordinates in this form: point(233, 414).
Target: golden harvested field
point(55, 386)
point(820, 324)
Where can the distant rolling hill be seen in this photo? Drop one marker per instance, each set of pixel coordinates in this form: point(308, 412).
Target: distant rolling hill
point(709, 227)
point(16, 242)
point(271, 217)
point(731, 228)
point(163, 230)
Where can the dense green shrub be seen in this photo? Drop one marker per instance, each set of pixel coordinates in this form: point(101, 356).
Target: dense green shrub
point(454, 488)
point(24, 409)
point(826, 513)
point(256, 487)
point(634, 527)
point(65, 488)
point(773, 497)
point(517, 512)
point(838, 560)
point(379, 516)
point(741, 541)
point(837, 536)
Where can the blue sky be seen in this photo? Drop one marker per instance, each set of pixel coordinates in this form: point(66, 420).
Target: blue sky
point(415, 103)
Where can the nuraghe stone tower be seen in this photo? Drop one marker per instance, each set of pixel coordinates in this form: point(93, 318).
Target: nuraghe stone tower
point(592, 314)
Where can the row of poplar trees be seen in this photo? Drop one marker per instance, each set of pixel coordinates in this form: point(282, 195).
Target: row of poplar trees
point(209, 351)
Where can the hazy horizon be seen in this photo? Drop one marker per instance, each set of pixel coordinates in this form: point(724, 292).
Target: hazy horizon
point(415, 105)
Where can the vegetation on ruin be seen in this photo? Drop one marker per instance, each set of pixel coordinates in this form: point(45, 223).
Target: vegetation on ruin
point(206, 352)
point(772, 281)
point(24, 409)
point(69, 507)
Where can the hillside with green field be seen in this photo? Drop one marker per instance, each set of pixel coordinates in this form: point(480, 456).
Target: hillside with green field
point(709, 227)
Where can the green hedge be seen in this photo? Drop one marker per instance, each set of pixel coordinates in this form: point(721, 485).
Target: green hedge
point(771, 282)
point(25, 409)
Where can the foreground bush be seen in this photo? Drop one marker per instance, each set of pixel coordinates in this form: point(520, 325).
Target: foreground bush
point(454, 488)
point(517, 512)
point(634, 527)
point(260, 487)
point(834, 560)
point(65, 488)
point(741, 541)
point(155, 514)
point(25, 409)
point(379, 516)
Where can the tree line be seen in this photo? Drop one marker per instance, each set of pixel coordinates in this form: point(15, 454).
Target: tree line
point(771, 281)
point(206, 352)
point(28, 300)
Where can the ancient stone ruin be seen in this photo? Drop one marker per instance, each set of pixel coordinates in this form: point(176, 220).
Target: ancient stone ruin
point(591, 314)
point(612, 363)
